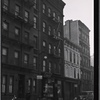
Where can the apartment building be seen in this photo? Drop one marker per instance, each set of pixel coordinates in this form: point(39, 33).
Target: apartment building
point(32, 46)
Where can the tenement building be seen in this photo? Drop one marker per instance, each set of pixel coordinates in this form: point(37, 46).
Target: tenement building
point(32, 49)
point(72, 70)
point(80, 35)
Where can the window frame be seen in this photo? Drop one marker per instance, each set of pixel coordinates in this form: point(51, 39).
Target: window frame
point(26, 60)
point(43, 8)
point(5, 56)
point(44, 26)
point(35, 62)
point(4, 84)
point(35, 22)
point(12, 84)
point(50, 48)
point(26, 13)
point(44, 65)
point(5, 4)
point(17, 10)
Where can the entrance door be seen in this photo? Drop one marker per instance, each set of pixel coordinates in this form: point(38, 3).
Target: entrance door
point(21, 86)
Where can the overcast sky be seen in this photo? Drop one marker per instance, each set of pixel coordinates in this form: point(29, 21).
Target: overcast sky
point(81, 10)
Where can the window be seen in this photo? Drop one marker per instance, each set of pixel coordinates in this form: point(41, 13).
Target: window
point(44, 8)
point(17, 10)
point(54, 15)
point(55, 67)
point(35, 4)
point(44, 44)
point(49, 66)
point(35, 41)
point(5, 26)
point(54, 49)
point(29, 85)
point(74, 57)
point(5, 5)
point(4, 55)
point(11, 84)
point(54, 31)
point(17, 31)
point(58, 18)
point(35, 22)
point(44, 27)
point(59, 52)
point(59, 68)
point(49, 12)
point(26, 16)
point(59, 34)
point(44, 66)
point(3, 84)
point(70, 56)
point(35, 62)
point(16, 56)
point(26, 58)
point(34, 85)
point(49, 30)
point(50, 48)
point(26, 37)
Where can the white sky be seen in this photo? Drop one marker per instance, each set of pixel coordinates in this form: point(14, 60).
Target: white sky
point(81, 10)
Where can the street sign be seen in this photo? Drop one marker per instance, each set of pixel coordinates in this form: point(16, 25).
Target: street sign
point(39, 76)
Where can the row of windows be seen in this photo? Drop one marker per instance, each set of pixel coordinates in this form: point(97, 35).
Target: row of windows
point(26, 15)
point(31, 85)
point(51, 31)
point(52, 67)
point(26, 60)
point(54, 48)
point(17, 32)
point(86, 75)
point(50, 13)
point(17, 57)
point(72, 56)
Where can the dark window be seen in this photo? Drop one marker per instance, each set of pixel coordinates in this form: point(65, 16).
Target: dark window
point(26, 16)
point(11, 81)
point(44, 8)
point(34, 85)
point(17, 10)
point(44, 66)
point(55, 67)
point(50, 48)
point(35, 4)
point(54, 31)
point(35, 42)
point(58, 18)
point(49, 12)
point(35, 62)
point(59, 52)
point(16, 56)
point(5, 5)
point(29, 85)
point(5, 26)
point(17, 33)
point(49, 66)
point(35, 22)
point(70, 56)
point(44, 44)
point(4, 84)
point(44, 27)
point(54, 49)
point(4, 55)
point(54, 15)
point(26, 37)
point(59, 34)
point(49, 30)
point(74, 57)
point(26, 58)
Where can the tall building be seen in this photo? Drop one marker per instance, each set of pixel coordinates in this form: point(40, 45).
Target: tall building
point(78, 33)
point(32, 49)
point(72, 71)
